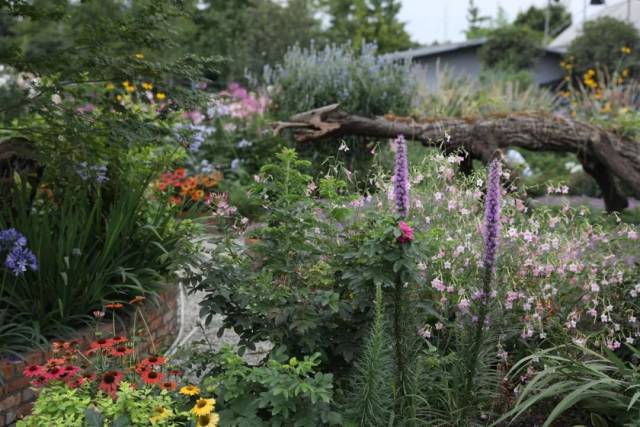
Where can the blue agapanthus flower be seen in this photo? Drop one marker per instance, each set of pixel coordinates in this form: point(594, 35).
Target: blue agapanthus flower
point(21, 259)
point(10, 238)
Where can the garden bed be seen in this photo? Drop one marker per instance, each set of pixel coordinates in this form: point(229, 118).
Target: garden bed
point(17, 396)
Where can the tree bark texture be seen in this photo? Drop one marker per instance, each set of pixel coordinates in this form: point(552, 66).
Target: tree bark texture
point(603, 154)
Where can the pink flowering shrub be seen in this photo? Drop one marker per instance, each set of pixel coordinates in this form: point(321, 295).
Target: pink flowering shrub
point(557, 273)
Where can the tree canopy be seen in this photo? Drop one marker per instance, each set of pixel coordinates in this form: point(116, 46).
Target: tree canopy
point(367, 21)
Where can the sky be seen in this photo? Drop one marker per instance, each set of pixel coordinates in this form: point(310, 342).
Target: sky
point(445, 20)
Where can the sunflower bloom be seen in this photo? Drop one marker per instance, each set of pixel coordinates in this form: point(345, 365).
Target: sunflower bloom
point(190, 390)
point(203, 407)
point(209, 420)
point(160, 413)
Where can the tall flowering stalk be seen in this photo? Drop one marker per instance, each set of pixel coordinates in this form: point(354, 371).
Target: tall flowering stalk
point(403, 322)
point(401, 177)
point(491, 226)
point(491, 235)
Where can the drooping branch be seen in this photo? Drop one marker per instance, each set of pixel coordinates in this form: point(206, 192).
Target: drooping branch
point(602, 153)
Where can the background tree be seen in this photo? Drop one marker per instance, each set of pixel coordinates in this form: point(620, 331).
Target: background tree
point(367, 21)
point(251, 33)
point(511, 48)
point(535, 19)
point(605, 43)
point(479, 25)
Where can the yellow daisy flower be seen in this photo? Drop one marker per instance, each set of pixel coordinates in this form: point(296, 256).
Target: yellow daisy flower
point(139, 55)
point(190, 390)
point(160, 414)
point(203, 407)
point(147, 85)
point(209, 420)
point(161, 95)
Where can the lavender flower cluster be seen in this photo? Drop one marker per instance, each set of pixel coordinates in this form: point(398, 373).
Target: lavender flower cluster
point(401, 177)
point(19, 258)
point(491, 226)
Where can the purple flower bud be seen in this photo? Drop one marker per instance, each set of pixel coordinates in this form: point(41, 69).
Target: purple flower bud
point(401, 177)
point(491, 227)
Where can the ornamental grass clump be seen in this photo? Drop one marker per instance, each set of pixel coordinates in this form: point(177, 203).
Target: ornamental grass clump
point(491, 235)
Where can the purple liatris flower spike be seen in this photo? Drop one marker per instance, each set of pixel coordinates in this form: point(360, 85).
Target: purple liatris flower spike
point(491, 227)
point(401, 177)
point(20, 259)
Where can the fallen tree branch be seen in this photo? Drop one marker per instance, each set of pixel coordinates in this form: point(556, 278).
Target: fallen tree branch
point(602, 153)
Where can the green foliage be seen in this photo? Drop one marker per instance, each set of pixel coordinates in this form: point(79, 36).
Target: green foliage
point(362, 22)
point(90, 250)
point(233, 29)
point(281, 286)
point(535, 18)
point(62, 406)
point(370, 402)
point(511, 48)
point(361, 82)
point(281, 391)
point(605, 386)
point(497, 92)
point(601, 44)
point(477, 23)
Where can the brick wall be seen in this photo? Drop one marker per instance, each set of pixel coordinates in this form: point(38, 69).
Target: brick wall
point(16, 397)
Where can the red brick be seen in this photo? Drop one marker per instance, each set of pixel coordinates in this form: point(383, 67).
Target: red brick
point(24, 410)
point(10, 401)
point(28, 395)
point(16, 384)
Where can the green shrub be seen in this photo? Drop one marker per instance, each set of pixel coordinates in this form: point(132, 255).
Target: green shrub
point(511, 48)
point(361, 82)
point(280, 391)
point(90, 249)
point(603, 43)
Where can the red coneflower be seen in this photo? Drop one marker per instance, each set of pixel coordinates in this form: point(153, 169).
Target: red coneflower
point(119, 339)
point(55, 362)
point(71, 370)
point(53, 373)
point(33, 371)
point(89, 376)
point(151, 377)
point(168, 385)
point(154, 361)
point(121, 351)
point(101, 343)
point(175, 373)
point(141, 368)
point(75, 382)
point(110, 381)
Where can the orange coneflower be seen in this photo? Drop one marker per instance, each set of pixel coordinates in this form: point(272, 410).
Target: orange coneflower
point(168, 385)
point(154, 360)
point(151, 377)
point(136, 300)
point(121, 351)
point(197, 195)
point(102, 343)
point(113, 306)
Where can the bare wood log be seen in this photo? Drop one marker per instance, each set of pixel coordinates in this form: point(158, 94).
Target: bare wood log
point(602, 153)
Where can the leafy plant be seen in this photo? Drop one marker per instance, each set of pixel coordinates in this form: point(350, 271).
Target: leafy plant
point(604, 385)
point(277, 392)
